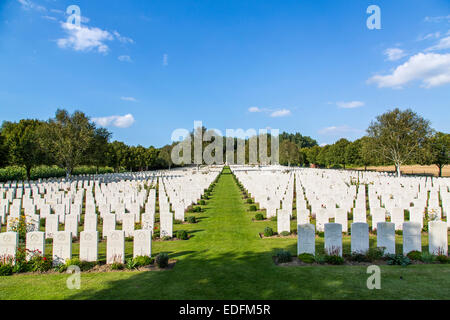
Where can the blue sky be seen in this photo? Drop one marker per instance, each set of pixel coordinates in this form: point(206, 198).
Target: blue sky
point(146, 68)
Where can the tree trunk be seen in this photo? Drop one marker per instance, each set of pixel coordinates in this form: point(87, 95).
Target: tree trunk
point(440, 171)
point(399, 172)
point(28, 172)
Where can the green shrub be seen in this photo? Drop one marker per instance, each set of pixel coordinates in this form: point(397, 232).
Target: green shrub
point(307, 258)
point(130, 264)
point(177, 222)
point(334, 259)
point(162, 260)
point(117, 266)
point(442, 259)
point(6, 270)
point(142, 261)
point(249, 201)
point(166, 238)
point(191, 219)
point(321, 234)
point(197, 209)
point(274, 218)
point(398, 260)
point(268, 232)
point(358, 257)
point(320, 259)
point(253, 208)
point(259, 216)
point(427, 257)
point(285, 233)
point(284, 256)
point(399, 232)
point(182, 235)
point(202, 202)
point(39, 263)
point(414, 255)
point(375, 254)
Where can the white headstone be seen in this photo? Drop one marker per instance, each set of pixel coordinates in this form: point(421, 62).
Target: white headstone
point(128, 220)
point(398, 217)
point(89, 246)
point(333, 238)
point(62, 247)
point(438, 238)
point(8, 244)
point(109, 224)
point(412, 237)
point(306, 242)
point(386, 237)
point(90, 222)
point(35, 241)
point(51, 225)
point(166, 223)
point(283, 221)
point(360, 237)
point(115, 247)
point(142, 244)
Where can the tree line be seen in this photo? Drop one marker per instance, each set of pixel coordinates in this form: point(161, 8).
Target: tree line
point(71, 140)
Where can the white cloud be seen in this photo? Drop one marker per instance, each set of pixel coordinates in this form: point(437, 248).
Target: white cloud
point(49, 18)
point(125, 121)
point(437, 19)
point(431, 69)
point(125, 59)
point(443, 44)
point(338, 130)
point(128, 99)
point(394, 54)
point(122, 38)
point(350, 105)
point(81, 38)
point(281, 113)
point(254, 109)
point(28, 4)
point(434, 35)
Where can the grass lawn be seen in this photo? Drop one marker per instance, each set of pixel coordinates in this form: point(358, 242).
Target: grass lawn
point(226, 259)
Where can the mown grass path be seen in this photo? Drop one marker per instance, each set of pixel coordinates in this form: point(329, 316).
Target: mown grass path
point(226, 259)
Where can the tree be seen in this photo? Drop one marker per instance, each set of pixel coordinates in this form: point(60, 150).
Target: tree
point(23, 142)
point(399, 135)
point(312, 154)
point(366, 153)
point(289, 153)
point(98, 150)
point(116, 155)
point(165, 158)
point(337, 152)
point(323, 158)
point(3, 151)
point(437, 151)
point(352, 153)
point(68, 139)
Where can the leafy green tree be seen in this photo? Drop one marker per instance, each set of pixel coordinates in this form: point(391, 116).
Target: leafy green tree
point(437, 151)
point(98, 151)
point(324, 158)
point(3, 151)
point(24, 143)
point(68, 139)
point(337, 152)
point(313, 154)
point(366, 152)
point(289, 153)
point(116, 155)
point(399, 136)
point(352, 153)
point(165, 158)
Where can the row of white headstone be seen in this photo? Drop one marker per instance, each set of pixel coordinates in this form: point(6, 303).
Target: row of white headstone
point(178, 189)
point(62, 245)
point(412, 238)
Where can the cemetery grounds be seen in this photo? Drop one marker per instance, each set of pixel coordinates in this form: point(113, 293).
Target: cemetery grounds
point(225, 258)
